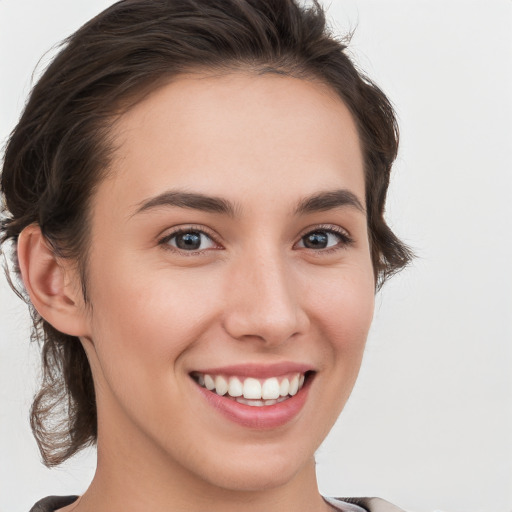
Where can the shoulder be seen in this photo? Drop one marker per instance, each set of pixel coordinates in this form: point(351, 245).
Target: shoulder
point(52, 503)
point(363, 505)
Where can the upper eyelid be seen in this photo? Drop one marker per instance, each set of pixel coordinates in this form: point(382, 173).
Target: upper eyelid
point(333, 228)
point(168, 233)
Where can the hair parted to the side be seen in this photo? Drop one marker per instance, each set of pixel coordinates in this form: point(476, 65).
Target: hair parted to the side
point(60, 149)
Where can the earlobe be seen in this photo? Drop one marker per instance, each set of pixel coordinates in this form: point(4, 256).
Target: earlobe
point(50, 284)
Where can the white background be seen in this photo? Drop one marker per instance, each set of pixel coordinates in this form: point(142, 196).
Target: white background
point(429, 425)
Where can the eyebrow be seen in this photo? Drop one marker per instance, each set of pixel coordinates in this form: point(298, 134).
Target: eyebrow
point(190, 200)
point(321, 201)
point(329, 200)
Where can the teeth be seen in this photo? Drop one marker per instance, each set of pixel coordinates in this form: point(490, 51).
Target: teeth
point(209, 383)
point(251, 391)
point(270, 389)
point(235, 387)
point(252, 388)
point(284, 387)
point(221, 385)
point(258, 403)
point(252, 403)
point(294, 385)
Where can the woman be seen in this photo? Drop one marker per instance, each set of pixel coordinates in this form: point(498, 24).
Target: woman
point(196, 193)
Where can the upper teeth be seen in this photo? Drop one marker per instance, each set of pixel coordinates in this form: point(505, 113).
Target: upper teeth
point(252, 388)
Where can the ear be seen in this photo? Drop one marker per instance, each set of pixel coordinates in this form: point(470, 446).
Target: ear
point(53, 284)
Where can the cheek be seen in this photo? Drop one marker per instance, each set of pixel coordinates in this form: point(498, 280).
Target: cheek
point(150, 316)
point(142, 329)
point(344, 306)
point(343, 313)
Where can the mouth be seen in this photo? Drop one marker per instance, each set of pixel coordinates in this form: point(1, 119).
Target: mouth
point(251, 390)
point(254, 396)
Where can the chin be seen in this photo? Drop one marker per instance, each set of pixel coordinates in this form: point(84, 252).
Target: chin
point(241, 472)
point(266, 475)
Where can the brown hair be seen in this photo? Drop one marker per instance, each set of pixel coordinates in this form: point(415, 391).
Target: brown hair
point(60, 149)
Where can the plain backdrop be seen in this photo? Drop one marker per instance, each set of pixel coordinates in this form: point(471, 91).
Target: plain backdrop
point(429, 425)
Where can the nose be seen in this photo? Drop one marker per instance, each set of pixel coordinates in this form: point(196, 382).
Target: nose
point(264, 301)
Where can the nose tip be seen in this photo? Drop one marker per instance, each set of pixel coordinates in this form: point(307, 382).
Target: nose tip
point(264, 304)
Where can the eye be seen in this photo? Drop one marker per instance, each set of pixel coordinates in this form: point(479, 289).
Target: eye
point(324, 239)
point(189, 240)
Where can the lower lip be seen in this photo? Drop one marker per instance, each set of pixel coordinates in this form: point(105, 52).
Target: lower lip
point(260, 418)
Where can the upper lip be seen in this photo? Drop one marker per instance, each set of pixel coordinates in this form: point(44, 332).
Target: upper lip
point(262, 371)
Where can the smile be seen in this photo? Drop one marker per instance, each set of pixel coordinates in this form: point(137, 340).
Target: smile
point(250, 390)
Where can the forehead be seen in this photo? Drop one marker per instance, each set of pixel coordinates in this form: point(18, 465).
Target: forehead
point(234, 133)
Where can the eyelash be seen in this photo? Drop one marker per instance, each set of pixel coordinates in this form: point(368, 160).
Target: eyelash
point(164, 241)
point(344, 239)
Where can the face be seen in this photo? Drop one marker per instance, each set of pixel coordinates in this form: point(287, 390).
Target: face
point(229, 266)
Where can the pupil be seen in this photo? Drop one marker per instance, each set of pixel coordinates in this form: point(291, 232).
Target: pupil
point(188, 241)
point(316, 241)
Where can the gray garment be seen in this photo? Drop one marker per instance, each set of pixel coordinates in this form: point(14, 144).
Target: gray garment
point(362, 505)
point(53, 503)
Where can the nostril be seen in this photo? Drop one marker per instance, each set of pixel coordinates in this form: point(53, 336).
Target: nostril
point(271, 329)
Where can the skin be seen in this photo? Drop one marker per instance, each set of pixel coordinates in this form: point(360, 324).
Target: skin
point(252, 294)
